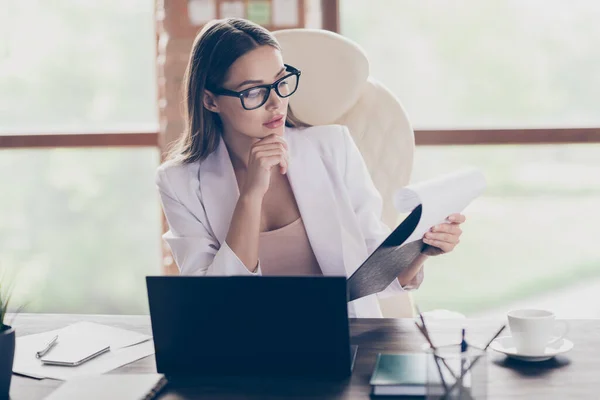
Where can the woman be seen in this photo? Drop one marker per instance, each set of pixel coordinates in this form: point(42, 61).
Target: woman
point(251, 190)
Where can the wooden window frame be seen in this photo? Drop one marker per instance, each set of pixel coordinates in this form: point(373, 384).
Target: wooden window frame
point(506, 136)
point(422, 138)
point(95, 139)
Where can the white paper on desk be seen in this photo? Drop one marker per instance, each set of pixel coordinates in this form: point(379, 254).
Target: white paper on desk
point(126, 347)
point(103, 363)
point(440, 197)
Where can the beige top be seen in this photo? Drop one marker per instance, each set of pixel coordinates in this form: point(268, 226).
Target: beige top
point(287, 251)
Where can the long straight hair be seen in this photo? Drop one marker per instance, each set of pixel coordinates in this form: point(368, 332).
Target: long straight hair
point(218, 45)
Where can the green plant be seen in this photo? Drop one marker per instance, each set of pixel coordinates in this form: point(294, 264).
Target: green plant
point(6, 288)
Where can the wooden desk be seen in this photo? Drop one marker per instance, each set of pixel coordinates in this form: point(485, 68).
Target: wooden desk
point(574, 375)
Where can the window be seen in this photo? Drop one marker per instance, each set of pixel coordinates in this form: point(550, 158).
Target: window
point(74, 66)
point(79, 228)
point(492, 64)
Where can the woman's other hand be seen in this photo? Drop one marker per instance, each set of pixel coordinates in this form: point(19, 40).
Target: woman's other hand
point(443, 238)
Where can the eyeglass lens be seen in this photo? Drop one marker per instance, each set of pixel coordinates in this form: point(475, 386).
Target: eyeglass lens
point(255, 98)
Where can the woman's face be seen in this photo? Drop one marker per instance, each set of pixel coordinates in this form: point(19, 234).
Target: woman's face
point(260, 66)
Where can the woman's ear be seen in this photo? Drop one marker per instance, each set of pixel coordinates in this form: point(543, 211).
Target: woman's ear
point(210, 102)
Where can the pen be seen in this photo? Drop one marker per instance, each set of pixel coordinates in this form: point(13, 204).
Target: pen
point(479, 356)
point(463, 350)
point(46, 349)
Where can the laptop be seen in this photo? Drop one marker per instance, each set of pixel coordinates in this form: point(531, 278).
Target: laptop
point(248, 326)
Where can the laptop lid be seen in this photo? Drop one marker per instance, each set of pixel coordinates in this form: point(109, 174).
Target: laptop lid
point(246, 325)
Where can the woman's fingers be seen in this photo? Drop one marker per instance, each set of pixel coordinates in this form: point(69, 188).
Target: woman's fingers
point(457, 218)
point(268, 162)
point(447, 228)
point(447, 235)
point(274, 152)
point(283, 165)
point(444, 246)
point(270, 159)
point(270, 140)
point(268, 153)
point(442, 237)
point(270, 146)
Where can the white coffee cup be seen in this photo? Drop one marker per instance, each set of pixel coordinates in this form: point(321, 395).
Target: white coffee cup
point(533, 330)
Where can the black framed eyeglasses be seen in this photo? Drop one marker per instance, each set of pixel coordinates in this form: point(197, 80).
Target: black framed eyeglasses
point(256, 96)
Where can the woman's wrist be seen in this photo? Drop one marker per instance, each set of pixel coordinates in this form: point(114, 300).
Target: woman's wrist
point(251, 198)
point(409, 273)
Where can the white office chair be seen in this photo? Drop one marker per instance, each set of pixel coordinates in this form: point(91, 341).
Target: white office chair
point(335, 88)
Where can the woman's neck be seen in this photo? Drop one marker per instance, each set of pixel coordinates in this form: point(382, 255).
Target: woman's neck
point(238, 146)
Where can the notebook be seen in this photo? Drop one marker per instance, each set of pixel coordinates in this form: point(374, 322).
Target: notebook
point(402, 375)
point(114, 387)
point(74, 353)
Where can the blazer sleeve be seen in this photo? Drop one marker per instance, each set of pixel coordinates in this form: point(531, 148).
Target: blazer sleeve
point(368, 205)
point(195, 249)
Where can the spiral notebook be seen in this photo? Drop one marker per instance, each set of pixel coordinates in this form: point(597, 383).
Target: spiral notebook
point(114, 387)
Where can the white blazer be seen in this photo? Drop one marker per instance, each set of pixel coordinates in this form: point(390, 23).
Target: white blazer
point(340, 208)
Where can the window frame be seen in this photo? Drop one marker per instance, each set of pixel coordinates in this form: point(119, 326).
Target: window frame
point(423, 137)
point(92, 139)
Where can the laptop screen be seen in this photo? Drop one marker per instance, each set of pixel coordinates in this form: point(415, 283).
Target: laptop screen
point(246, 325)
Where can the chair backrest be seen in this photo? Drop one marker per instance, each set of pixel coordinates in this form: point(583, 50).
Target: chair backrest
point(336, 88)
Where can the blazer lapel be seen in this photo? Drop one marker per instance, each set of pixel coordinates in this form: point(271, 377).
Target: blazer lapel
point(312, 189)
point(220, 191)
point(314, 195)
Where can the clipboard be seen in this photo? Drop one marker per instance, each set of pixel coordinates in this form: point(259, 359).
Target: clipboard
point(430, 203)
point(384, 265)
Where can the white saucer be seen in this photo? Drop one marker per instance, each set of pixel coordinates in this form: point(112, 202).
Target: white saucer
point(506, 346)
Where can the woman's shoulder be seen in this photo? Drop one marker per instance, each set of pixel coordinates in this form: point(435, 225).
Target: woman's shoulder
point(174, 171)
point(330, 132)
point(326, 137)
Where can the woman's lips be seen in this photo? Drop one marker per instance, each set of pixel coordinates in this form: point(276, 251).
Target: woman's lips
point(275, 122)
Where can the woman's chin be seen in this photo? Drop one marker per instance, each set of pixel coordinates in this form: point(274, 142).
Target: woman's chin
point(269, 131)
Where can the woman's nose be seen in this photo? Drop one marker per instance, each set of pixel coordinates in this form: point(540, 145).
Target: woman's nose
point(274, 102)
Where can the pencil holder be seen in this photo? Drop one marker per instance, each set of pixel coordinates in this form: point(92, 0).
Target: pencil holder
point(452, 374)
